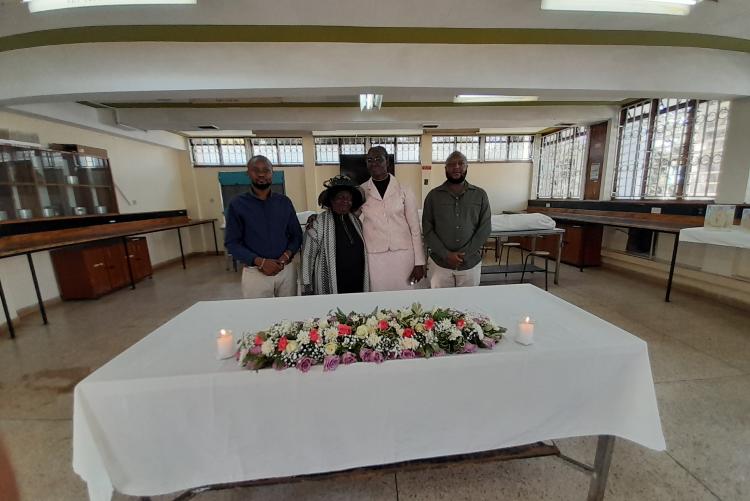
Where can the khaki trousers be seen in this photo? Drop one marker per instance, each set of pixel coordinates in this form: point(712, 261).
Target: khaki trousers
point(444, 277)
point(255, 284)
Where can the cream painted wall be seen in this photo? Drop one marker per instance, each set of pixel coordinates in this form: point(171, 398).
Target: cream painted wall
point(150, 177)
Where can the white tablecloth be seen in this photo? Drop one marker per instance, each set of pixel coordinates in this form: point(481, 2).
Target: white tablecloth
point(519, 222)
point(735, 237)
point(165, 415)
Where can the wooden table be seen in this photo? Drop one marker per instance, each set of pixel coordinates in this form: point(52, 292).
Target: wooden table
point(19, 244)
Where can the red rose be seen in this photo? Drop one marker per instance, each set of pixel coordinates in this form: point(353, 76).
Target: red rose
point(282, 343)
point(429, 324)
point(383, 325)
point(408, 332)
point(258, 340)
point(314, 337)
point(344, 330)
point(460, 323)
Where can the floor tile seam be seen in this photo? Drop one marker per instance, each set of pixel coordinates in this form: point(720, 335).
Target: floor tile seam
point(678, 340)
point(695, 477)
point(712, 378)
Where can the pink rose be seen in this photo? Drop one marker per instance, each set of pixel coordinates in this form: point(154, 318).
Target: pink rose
point(282, 343)
point(470, 348)
point(348, 358)
point(255, 350)
point(304, 364)
point(258, 340)
point(365, 354)
point(376, 357)
point(344, 330)
point(460, 323)
point(408, 354)
point(314, 336)
point(383, 325)
point(429, 324)
point(330, 363)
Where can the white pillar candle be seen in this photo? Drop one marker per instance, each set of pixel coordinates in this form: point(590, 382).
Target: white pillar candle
point(525, 334)
point(225, 345)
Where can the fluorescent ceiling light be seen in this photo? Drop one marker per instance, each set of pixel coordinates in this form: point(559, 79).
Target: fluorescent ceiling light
point(671, 7)
point(489, 98)
point(368, 102)
point(45, 5)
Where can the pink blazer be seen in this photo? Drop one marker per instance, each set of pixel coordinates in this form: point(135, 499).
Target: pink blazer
point(391, 223)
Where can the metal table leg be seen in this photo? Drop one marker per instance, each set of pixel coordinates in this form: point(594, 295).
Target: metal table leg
point(559, 257)
point(216, 242)
point(605, 446)
point(8, 320)
point(127, 259)
point(182, 252)
point(671, 266)
point(36, 288)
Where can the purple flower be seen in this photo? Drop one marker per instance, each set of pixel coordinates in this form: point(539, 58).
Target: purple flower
point(376, 357)
point(469, 348)
point(348, 358)
point(365, 354)
point(255, 350)
point(330, 363)
point(304, 364)
point(489, 343)
point(438, 353)
point(408, 354)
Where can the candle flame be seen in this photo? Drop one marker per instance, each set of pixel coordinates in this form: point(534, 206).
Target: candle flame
point(527, 320)
point(222, 332)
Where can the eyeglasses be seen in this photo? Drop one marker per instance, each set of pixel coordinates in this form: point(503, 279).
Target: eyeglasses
point(375, 159)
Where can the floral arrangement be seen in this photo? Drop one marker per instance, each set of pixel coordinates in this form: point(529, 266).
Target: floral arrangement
point(342, 338)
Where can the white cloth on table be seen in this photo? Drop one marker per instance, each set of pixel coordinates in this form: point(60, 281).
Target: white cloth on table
point(165, 415)
point(735, 237)
point(519, 222)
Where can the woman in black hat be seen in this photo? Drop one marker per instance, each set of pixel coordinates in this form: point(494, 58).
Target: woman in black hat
point(333, 252)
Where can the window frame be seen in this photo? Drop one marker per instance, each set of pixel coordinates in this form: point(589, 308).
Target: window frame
point(482, 157)
point(249, 150)
point(368, 143)
point(578, 131)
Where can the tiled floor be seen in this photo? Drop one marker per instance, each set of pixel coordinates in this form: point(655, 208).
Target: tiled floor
point(700, 355)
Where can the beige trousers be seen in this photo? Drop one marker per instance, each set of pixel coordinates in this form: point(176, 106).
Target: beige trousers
point(255, 284)
point(444, 277)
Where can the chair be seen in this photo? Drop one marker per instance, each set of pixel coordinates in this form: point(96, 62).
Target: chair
point(531, 255)
point(509, 246)
point(491, 246)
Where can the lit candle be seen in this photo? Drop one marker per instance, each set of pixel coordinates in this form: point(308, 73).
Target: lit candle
point(525, 334)
point(225, 345)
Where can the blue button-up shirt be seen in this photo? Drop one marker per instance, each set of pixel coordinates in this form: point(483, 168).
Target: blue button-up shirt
point(261, 228)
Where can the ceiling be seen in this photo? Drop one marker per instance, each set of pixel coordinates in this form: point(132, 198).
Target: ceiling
point(290, 65)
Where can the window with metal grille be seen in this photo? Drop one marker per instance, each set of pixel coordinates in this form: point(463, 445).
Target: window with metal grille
point(352, 145)
point(233, 151)
point(389, 143)
point(281, 151)
point(442, 146)
point(205, 151)
point(561, 163)
point(326, 150)
point(520, 148)
point(407, 149)
point(670, 149)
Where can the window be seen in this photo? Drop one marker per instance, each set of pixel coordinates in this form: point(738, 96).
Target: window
point(561, 163)
point(327, 150)
point(404, 148)
point(670, 149)
point(352, 146)
point(281, 151)
point(492, 148)
point(442, 146)
point(236, 151)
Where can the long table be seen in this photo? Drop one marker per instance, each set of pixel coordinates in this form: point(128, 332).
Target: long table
point(534, 234)
point(165, 415)
point(623, 222)
point(120, 231)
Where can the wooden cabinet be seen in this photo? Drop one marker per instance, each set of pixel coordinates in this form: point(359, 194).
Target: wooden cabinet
point(92, 270)
point(582, 244)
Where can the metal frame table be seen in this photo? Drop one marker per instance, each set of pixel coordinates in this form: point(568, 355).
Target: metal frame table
point(123, 236)
point(534, 234)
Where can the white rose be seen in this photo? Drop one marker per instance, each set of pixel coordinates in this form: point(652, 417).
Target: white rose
point(373, 340)
point(267, 347)
point(303, 337)
point(380, 316)
point(291, 347)
point(323, 323)
point(455, 334)
point(408, 343)
point(372, 322)
point(330, 348)
point(362, 331)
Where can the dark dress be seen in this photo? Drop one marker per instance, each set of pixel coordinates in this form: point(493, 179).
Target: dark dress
point(350, 256)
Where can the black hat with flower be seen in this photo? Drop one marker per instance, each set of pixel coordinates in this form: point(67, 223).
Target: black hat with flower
point(337, 184)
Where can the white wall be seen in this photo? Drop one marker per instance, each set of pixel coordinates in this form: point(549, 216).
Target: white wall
point(150, 176)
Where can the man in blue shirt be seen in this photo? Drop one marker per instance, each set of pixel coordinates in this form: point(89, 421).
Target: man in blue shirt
point(264, 234)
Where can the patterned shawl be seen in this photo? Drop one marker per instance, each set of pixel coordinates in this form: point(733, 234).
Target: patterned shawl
point(319, 256)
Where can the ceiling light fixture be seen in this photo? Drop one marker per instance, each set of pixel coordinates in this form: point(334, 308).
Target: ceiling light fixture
point(368, 102)
point(670, 7)
point(490, 98)
point(45, 5)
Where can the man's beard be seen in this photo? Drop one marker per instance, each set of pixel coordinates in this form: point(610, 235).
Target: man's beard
point(261, 186)
point(456, 181)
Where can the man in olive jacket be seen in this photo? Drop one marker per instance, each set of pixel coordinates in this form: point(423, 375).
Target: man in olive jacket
point(456, 223)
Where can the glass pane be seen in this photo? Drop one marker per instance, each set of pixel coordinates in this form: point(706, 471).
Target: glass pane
point(442, 146)
point(290, 151)
point(326, 150)
point(407, 149)
point(495, 148)
point(561, 163)
point(352, 146)
point(469, 146)
point(389, 143)
point(266, 147)
point(233, 151)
